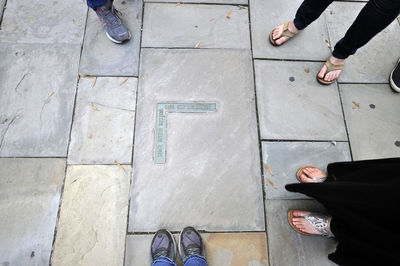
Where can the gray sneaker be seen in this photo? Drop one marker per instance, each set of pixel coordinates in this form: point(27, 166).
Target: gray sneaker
point(109, 17)
point(191, 243)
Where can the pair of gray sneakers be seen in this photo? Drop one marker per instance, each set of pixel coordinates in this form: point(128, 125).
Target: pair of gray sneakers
point(112, 23)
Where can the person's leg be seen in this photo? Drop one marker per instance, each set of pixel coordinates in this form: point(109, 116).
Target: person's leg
point(191, 248)
point(308, 11)
point(373, 18)
point(163, 249)
point(93, 4)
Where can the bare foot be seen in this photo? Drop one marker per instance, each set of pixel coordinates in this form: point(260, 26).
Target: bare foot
point(302, 224)
point(278, 31)
point(311, 172)
point(333, 74)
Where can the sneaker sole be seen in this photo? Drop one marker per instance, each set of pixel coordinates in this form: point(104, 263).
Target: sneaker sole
point(394, 87)
point(176, 249)
point(179, 246)
point(116, 41)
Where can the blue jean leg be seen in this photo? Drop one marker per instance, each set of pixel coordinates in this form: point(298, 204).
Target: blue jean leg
point(95, 3)
point(195, 260)
point(163, 262)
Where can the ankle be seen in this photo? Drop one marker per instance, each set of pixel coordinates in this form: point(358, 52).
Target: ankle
point(336, 61)
point(292, 27)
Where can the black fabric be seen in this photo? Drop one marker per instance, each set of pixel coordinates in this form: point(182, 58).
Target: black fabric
point(363, 198)
point(373, 18)
point(396, 75)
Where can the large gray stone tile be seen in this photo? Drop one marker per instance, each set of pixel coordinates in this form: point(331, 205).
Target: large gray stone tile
point(285, 158)
point(223, 249)
point(93, 217)
point(44, 21)
point(100, 56)
point(104, 119)
point(373, 127)
point(373, 62)
point(310, 44)
point(243, 2)
point(37, 91)
point(29, 197)
point(211, 178)
point(205, 26)
point(286, 246)
point(292, 105)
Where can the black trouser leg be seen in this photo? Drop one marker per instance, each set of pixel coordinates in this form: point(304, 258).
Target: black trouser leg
point(373, 18)
point(309, 11)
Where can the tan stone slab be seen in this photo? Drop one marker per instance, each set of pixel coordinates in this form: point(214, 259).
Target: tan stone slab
point(102, 131)
point(29, 198)
point(93, 217)
point(223, 249)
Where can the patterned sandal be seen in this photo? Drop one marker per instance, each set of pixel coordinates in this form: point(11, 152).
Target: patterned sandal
point(285, 33)
point(314, 179)
point(319, 222)
point(329, 68)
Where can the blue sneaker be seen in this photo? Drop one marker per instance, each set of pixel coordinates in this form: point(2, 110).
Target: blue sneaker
point(163, 246)
point(112, 23)
point(395, 78)
point(191, 243)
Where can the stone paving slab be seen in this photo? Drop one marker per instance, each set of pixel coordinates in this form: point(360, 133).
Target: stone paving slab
point(293, 105)
point(104, 119)
point(243, 2)
point(286, 246)
point(285, 158)
point(100, 56)
point(373, 127)
point(38, 84)
point(210, 179)
point(223, 249)
point(310, 44)
point(202, 26)
point(44, 21)
point(93, 217)
point(373, 62)
point(29, 197)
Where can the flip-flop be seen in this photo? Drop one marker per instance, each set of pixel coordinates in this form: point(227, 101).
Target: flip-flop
point(314, 179)
point(329, 68)
point(285, 33)
point(319, 222)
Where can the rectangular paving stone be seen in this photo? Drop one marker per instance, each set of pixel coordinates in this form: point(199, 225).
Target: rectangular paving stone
point(223, 249)
point(285, 158)
point(104, 119)
point(205, 26)
point(243, 2)
point(373, 62)
point(373, 127)
point(93, 217)
point(310, 44)
point(29, 197)
point(293, 105)
point(211, 178)
point(38, 84)
point(102, 57)
point(286, 246)
point(44, 21)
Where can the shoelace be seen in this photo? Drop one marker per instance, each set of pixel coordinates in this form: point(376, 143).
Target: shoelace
point(192, 251)
point(162, 252)
point(112, 17)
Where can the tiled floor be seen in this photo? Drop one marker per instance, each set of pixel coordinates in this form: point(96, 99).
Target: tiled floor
point(81, 116)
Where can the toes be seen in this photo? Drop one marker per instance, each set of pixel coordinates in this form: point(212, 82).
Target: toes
point(300, 213)
point(304, 178)
point(281, 40)
point(322, 72)
point(307, 171)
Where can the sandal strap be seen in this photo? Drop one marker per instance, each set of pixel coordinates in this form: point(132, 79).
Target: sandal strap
point(317, 179)
point(331, 67)
point(320, 222)
point(286, 32)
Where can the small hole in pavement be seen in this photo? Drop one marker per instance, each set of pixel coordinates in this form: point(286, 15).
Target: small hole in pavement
point(291, 79)
point(123, 2)
point(397, 143)
point(372, 106)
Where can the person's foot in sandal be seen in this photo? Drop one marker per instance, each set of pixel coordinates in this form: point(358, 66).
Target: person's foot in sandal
point(309, 223)
point(283, 33)
point(311, 174)
point(331, 70)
